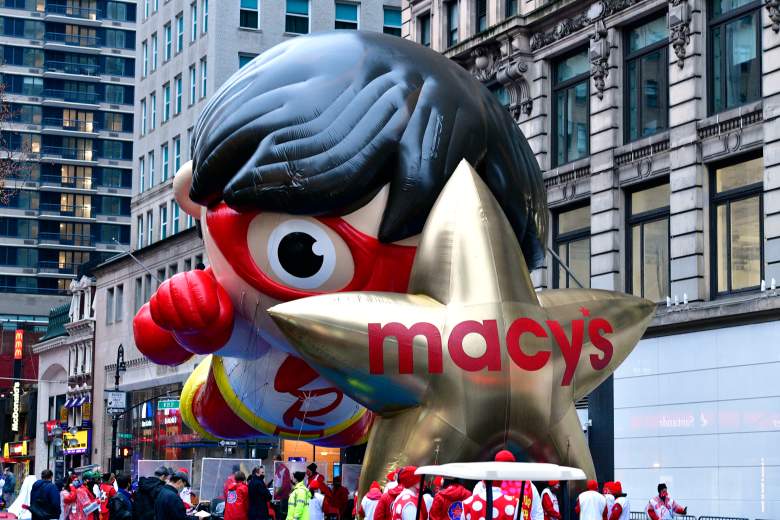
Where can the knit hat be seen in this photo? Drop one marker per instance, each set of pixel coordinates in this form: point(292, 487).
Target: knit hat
point(593, 485)
point(375, 485)
point(406, 476)
point(505, 456)
point(553, 483)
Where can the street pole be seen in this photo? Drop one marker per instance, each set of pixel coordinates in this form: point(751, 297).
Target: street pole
point(120, 367)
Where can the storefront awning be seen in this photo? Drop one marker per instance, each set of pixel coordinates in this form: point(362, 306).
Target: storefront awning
point(70, 403)
point(81, 400)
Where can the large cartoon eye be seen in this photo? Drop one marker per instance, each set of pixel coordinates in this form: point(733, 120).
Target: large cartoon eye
point(300, 252)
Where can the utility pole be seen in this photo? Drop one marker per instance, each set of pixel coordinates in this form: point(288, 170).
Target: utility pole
point(120, 367)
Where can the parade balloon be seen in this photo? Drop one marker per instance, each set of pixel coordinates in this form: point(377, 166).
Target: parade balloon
point(471, 359)
point(315, 168)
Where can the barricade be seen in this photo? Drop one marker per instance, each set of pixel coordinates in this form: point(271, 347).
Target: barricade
point(215, 472)
point(350, 477)
point(721, 518)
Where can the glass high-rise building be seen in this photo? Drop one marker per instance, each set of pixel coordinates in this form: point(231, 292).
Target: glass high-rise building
point(68, 68)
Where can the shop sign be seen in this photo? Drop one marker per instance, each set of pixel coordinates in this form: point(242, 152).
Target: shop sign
point(86, 411)
point(116, 402)
point(168, 404)
point(15, 449)
point(81, 444)
point(50, 425)
point(170, 419)
point(17, 403)
point(18, 344)
point(64, 415)
point(147, 423)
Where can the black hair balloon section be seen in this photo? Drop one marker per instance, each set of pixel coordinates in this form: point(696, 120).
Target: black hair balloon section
point(318, 124)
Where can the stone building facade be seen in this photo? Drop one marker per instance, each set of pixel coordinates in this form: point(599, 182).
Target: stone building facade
point(656, 127)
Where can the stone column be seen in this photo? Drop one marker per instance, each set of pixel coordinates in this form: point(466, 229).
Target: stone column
point(687, 174)
point(604, 137)
point(770, 68)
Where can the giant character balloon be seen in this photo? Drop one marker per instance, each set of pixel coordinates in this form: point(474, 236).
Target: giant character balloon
point(314, 170)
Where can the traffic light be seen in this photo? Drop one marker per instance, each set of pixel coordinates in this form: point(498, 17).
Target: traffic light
point(125, 452)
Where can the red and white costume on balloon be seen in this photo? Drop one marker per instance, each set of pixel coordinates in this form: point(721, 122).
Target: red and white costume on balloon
point(552, 510)
point(664, 508)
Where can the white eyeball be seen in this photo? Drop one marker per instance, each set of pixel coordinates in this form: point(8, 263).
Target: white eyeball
point(301, 254)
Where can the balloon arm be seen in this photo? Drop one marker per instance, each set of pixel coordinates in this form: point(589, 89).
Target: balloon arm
point(244, 342)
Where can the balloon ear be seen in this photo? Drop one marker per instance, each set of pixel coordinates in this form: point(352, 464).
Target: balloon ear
point(182, 182)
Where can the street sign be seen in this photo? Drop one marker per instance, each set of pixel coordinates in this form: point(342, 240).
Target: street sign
point(125, 435)
point(228, 444)
point(168, 404)
point(116, 402)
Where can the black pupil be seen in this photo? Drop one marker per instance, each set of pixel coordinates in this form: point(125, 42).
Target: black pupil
point(297, 257)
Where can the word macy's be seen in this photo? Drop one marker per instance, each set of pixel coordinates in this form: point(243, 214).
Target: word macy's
point(569, 346)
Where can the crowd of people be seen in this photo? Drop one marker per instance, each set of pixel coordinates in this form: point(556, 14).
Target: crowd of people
point(307, 496)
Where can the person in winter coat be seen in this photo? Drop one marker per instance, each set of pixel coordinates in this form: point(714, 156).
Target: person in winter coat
point(146, 496)
point(663, 507)
point(237, 498)
point(80, 503)
point(168, 505)
point(317, 501)
point(621, 510)
point(45, 498)
point(383, 509)
point(230, 480)
point(552, 510)
point(298, 504)
point(259, 495)
point(335, 499)
point(120, 506)
point(107, 491)
point(591, 505)
point(369, 502)
point(448, 502)
point(9, 486)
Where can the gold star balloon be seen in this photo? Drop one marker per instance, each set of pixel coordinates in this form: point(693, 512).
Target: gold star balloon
point(472, 359)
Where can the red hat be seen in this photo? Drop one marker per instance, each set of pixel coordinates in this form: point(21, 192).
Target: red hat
point(554, 482)
point(607, 488)
point(617, 488)
point(392, 475)
point(375, 485)
point(406, 476)
point(438, 481)
point(593, 485)
point(505, 456)
point(314, 484)
point(183, 470)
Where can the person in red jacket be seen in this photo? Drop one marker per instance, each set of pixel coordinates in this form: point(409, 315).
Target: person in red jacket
point(339, 497)
point(107, 491)
point(237, 498)
point(552, 510)
point(382, 511)
point(368, 504)
point(448, 503)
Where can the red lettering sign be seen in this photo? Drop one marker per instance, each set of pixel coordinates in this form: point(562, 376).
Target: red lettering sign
point(18, 344)
point(569, 341)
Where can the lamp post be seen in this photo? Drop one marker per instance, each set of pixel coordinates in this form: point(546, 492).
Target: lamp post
point(120, 367)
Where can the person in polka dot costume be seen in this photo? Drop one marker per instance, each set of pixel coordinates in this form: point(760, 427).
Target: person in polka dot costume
point(506, 499)
point(405, 506)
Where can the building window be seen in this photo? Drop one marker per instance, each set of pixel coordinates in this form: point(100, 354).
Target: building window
point(244, 59)
point(139, 242)
point(452, 23)
point(571, 108)
point(146, 8)
point(119, 302)
point(176, 154)
point(738, 227)
point(481, 12)
point(153, 118)
point(163, 222)
point(346, 16)
point(154, 52)
point(175, 217)
point(648, 242)
point(166, 102)
point(205, 16)
point(572, 245)
point(194, 19)
point(511, 8)
point(143, 117)
point(203, 77)
point(248, 15)
point(179, 87)
point(193, 84)
point(735, 53)
point(145, 54)
point(165, 157)
point(424, 29)
point(179, 32)
point(151, 169)
point(168, 42)
point(141, 180)
point(647, 85)
point(149, 226)
point(109, 306)
point(392, 21)
point(297, 17)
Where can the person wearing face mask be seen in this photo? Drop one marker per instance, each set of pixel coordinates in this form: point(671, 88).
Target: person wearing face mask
point(663, 507)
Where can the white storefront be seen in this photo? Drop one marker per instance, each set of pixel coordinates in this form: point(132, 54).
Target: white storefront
point(700, 411)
